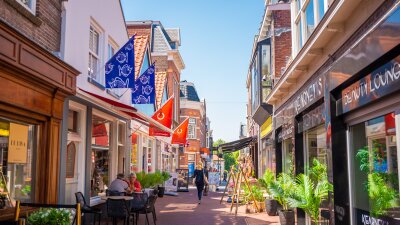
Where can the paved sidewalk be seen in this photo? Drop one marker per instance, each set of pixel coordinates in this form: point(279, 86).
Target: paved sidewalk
point(184, 210)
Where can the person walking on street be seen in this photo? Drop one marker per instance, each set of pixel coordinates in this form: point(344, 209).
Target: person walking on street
point(200, 180)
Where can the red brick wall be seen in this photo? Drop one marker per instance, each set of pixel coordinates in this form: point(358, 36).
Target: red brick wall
point(195, 145)
point(44, 28)
point(282, 40)
point(139, 30)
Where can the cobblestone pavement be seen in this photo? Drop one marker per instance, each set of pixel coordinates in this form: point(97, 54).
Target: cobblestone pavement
point(184, 210)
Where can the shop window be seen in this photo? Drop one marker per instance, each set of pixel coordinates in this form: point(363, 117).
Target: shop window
point(316, 149)
point(144, 154)
point(17, 153)
point(287, 156)
point(73, 121)
point(375, 171)
point(101, 136)
point(149, 156)
point(121, 147)
point(134, 165)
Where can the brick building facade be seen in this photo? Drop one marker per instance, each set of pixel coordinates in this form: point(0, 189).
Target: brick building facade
point(194, 109)
point(41, 23)
point(34, 83)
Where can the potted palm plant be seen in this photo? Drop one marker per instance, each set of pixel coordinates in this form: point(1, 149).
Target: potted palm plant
point(281, 190)
point(271, 205)
point(163, 176)
point(310, 190)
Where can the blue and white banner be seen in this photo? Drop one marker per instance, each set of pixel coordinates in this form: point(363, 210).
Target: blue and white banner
point(120, 69)
point(144, 91)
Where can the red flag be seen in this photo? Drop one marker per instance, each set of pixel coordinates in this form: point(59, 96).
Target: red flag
point(180, 133)
point(163, 116)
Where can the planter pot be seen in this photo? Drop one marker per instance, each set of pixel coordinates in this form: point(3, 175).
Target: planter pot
point(161, 191)
point(2, 203)
point(286, 217)
point(271, 206)
point(261, 206)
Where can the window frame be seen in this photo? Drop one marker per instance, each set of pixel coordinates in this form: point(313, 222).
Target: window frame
point(98, 75)
point(192, 127)
point(301, 20)
point(31, 9)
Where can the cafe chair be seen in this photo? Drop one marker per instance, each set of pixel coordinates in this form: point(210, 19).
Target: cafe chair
point(114, 193)
point(118, 209)
point(148, 208)
point(85, 208)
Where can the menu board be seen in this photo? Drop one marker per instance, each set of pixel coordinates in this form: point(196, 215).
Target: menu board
point(183, 180)
point(172, 183)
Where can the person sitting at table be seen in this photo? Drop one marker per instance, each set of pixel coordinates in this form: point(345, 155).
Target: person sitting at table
point(119, 185)
point(134, 184)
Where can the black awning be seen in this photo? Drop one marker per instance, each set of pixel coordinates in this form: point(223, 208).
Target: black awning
point(237, 145)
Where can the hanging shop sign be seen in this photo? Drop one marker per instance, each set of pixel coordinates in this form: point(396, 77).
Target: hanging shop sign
point(18, 143)
point(266, 128)
point(381, 82)
point(310, 94)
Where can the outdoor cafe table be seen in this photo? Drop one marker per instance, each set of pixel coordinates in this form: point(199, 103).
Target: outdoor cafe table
point(126, 198)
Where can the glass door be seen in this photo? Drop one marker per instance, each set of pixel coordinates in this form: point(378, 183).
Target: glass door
point(375, 173)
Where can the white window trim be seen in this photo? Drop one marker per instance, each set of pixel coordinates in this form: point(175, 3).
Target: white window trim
point(32, 9)
point(100, 55)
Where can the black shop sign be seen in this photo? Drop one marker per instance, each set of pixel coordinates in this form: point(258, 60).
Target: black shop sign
point(313, 92)
point(381, 82)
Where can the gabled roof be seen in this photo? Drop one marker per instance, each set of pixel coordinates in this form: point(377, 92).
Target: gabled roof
point(141, 43)
point(174, 34)
point(161, 78)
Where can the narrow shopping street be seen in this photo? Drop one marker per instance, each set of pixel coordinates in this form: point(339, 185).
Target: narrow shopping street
point(183, 210)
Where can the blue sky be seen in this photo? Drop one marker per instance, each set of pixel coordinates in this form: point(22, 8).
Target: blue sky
point(217, 37)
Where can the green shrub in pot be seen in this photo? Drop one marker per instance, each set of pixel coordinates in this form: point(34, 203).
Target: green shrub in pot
point(271, 205)
point(50, 217)
point(282, 190)
point(311, 190)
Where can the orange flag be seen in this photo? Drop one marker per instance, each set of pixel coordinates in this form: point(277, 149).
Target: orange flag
point(163, 116)
point(180, 133)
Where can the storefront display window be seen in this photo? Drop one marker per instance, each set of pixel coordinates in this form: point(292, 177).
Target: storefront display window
point(134, 165)
point(101, 133)
point(287, 156)
point(316, 149)
point(17, 160)
point(149, 156)
point(374, 154)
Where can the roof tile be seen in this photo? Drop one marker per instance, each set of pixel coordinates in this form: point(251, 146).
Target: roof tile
point(140, 51)
point(161, 78)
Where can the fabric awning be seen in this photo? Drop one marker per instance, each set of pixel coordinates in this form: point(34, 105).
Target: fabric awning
point(142, 118)
point(130, 111)
point(115, 104)
point(237, 145)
